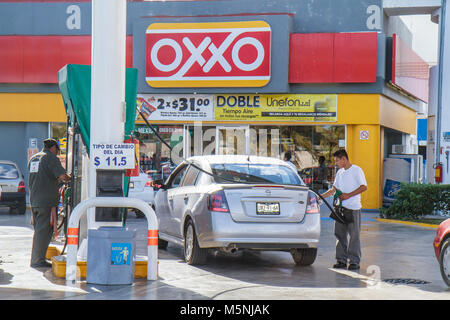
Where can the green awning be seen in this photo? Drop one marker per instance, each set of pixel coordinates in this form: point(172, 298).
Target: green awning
point(75, 86)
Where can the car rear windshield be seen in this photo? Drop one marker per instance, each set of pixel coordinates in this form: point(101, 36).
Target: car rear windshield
point(254, 173)
point(8, 171)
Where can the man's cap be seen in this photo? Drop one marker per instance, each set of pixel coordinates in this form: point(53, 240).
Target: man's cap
point(48, 143)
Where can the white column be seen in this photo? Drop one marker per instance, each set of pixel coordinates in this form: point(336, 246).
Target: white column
point(108, 79)
point(443, 110)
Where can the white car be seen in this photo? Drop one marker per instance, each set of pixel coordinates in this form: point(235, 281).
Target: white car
point(238, 202)
point(12, 187)
point(141, 187)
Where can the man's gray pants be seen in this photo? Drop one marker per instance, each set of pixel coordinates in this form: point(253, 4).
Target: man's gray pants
point(43, 232)
point(348, 245)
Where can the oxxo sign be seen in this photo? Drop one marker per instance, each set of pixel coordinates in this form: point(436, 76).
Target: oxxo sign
point(222, 54)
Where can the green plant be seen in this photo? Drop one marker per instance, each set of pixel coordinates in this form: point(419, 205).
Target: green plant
point(415, 200)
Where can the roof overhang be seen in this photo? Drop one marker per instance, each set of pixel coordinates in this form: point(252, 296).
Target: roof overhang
point(411, 7)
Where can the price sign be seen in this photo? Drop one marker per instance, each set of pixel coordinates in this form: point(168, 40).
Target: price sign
point(113, 156)
point(177, 107)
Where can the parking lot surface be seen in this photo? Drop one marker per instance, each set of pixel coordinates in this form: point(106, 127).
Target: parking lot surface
point(398, 263)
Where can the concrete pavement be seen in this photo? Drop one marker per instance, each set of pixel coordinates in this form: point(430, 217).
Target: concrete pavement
point(390, 252)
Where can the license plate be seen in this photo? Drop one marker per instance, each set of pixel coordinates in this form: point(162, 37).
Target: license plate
point(267, 208)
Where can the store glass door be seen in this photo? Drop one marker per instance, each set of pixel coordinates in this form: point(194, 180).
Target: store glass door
point(232, 140)
point(198, 140)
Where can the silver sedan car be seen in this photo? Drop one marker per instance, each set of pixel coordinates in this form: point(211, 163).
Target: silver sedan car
point(12, 187)
point(235, 202)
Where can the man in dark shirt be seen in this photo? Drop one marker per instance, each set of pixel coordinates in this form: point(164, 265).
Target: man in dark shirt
point(322, 176)
point(45, 173)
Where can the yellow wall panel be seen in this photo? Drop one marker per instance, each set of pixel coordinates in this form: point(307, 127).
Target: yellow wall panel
point(396, 116)
point(358, 108)
point(366, 154)
point(32, 107)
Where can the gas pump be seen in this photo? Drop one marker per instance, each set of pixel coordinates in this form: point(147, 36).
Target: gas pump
point(100, 102)
point(74, 83)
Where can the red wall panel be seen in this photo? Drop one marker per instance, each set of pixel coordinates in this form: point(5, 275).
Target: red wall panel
point(41, 59)
point(311, 57)
point(75, 50)
point(409, 71)
point(37, 59)
point(129, 54)
point(355, 57)
point(11, 59)
point(333, 57)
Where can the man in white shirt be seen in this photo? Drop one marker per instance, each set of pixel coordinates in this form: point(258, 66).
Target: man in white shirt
point(350, 180)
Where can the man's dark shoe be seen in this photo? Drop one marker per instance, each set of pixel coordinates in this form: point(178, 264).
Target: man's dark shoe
point(353, 266)
point(340, 265)
point(44, 264)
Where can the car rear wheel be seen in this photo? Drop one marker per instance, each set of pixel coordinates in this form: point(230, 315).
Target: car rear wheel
point(21, 208)
point(444, 261)
point(162, 244)
point(304, 257)
point(139, 214)
point(193, 254)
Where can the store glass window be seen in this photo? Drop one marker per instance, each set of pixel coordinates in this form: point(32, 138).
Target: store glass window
point(155, 156)
point(58, 131)
point(201, 140)
point(265, 141)
point(312, 149)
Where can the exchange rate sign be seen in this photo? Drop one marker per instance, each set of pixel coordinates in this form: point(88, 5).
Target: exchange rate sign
point(222, 54)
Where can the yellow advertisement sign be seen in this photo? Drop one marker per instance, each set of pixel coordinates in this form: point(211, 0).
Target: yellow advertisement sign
point(291, 107)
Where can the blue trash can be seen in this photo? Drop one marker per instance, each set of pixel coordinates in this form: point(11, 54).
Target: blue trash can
point(111, 256)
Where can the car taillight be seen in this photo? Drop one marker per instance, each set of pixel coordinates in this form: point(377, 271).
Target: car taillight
point(21, 187)
point(312, 205)
point(148, 184)
point(217, 202)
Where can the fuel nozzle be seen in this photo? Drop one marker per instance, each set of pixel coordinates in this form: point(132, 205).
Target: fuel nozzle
point(336, 200)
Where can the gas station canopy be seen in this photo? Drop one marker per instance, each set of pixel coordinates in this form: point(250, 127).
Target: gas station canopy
point(75, 86)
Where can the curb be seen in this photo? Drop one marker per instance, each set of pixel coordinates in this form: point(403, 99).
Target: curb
point(417, 224)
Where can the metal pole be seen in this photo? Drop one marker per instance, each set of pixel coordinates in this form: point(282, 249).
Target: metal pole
point(442, 18)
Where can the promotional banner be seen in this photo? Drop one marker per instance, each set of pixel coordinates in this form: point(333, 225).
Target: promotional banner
point(177, 107)
point(293, 107)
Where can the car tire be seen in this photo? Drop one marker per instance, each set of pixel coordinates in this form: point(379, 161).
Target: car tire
point(162, 244)
point(139, 214)
point(193, 254)
point(304, 257)
point(22, 207)
point(444, 261)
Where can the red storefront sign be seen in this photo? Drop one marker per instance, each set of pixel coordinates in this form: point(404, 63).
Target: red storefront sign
point(222, 54)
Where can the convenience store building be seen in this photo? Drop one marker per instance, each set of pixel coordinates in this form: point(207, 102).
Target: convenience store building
point(248, 76)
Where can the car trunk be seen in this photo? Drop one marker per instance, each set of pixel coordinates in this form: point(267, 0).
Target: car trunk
point(9, 185)
point(137, 184)
point(266, 203)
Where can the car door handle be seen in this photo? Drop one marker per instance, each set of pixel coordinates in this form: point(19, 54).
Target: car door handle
point(185, 197)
